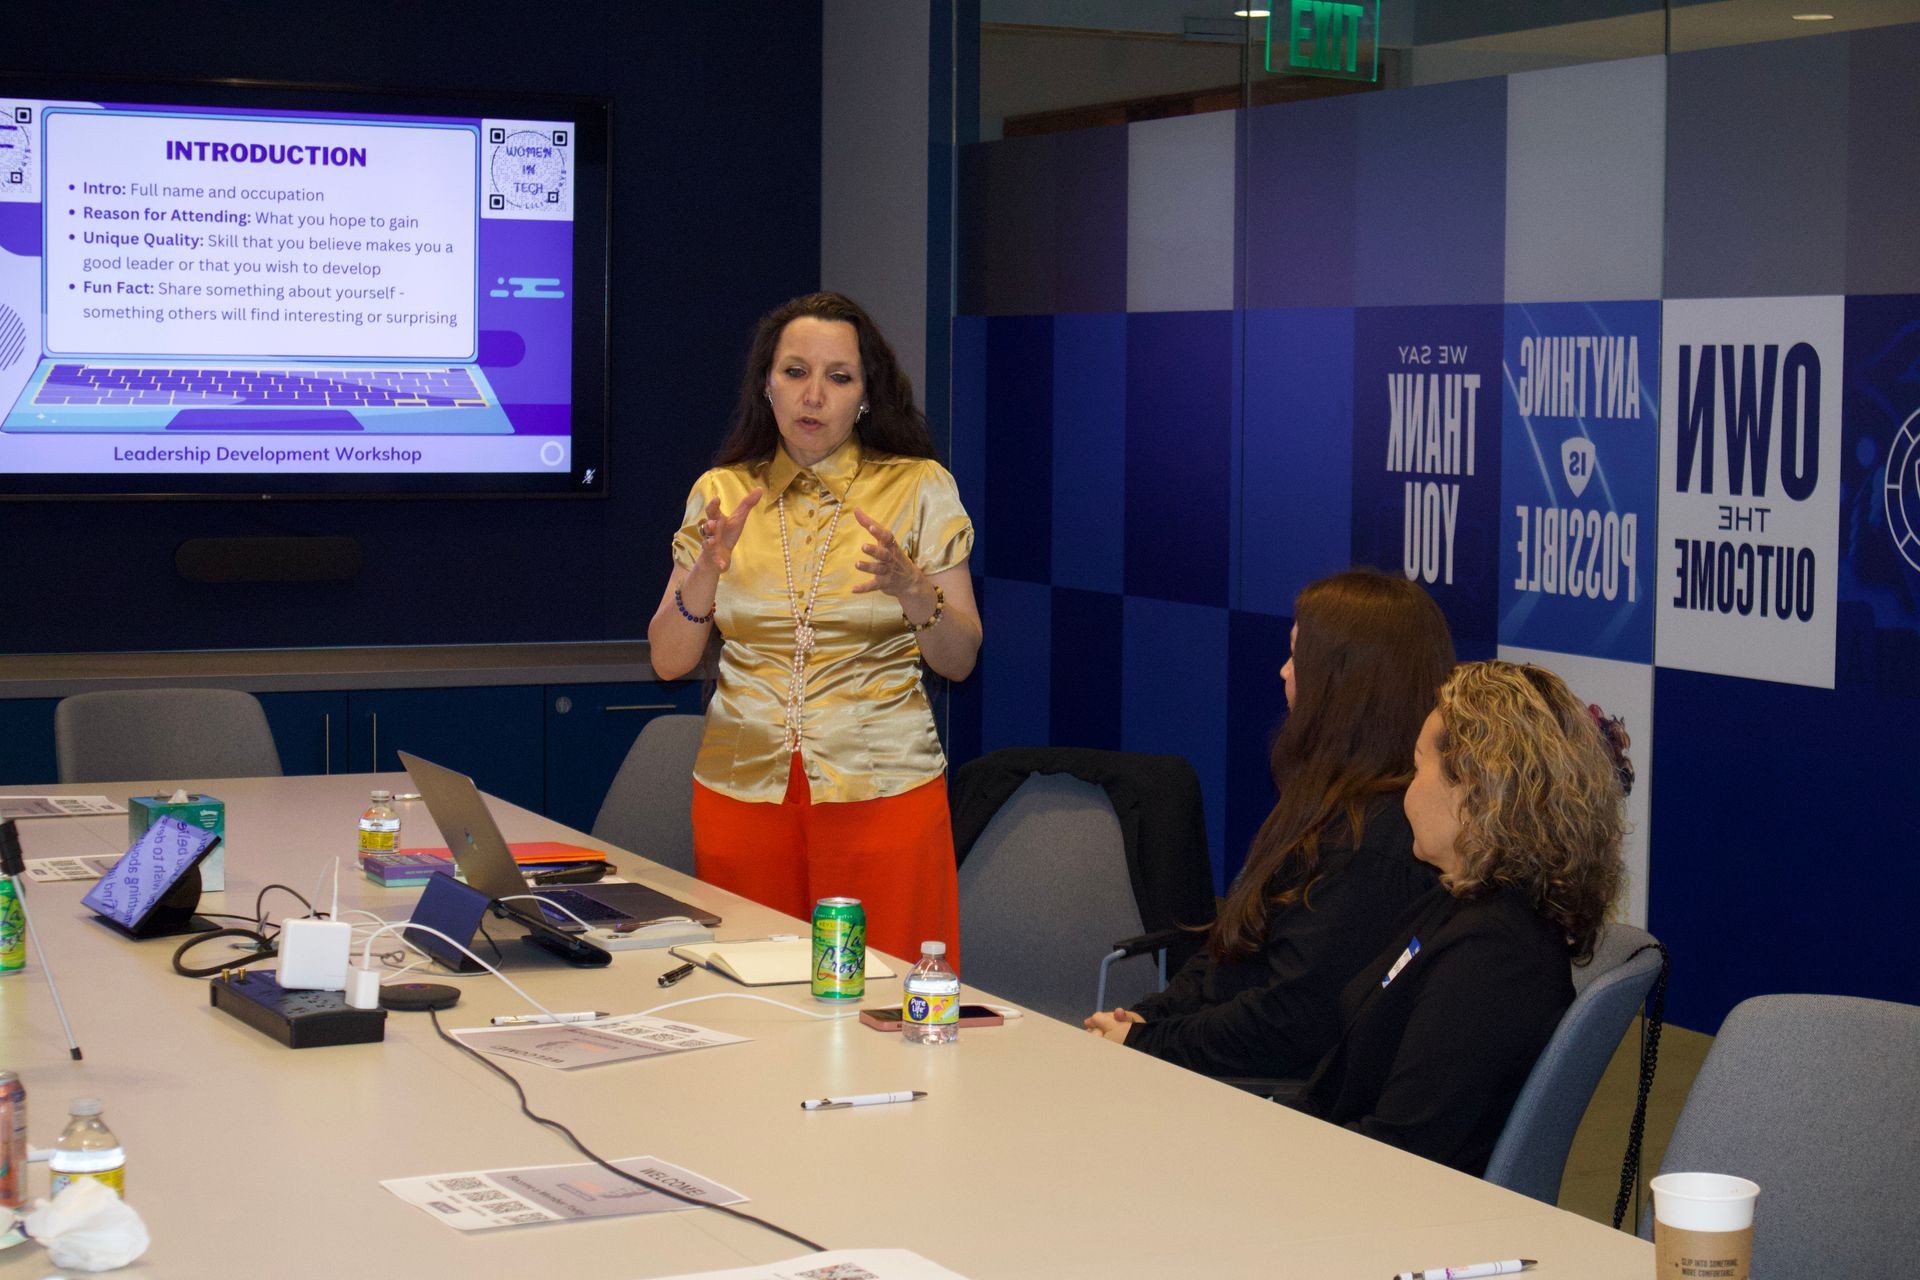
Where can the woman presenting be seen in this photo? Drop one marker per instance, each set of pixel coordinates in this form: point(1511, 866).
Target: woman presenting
point(829, 550)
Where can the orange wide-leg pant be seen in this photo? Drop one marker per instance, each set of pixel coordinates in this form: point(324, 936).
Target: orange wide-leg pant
point(895, 854)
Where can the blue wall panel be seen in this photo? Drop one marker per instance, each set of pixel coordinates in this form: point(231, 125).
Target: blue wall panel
point(1017, 665)
point(1257, 647)
point(1179, 439)
point(1296, 463)
point(1089, 450)
point(1018, 501)
point(1086, 690)
point(1174, 696)
point(1784, 857)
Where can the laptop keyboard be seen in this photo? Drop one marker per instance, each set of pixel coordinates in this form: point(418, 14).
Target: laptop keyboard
point(578, 903)
point(440, 388)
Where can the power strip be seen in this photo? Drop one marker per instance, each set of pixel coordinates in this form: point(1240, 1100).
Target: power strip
point(297, 1019)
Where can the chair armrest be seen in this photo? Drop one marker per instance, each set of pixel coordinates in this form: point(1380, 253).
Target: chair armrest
point(1147, 943)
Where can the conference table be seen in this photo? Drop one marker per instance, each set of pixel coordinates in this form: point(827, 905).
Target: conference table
point(1052, 1153)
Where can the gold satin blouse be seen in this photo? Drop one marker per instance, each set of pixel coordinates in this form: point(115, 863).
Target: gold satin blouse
point(866, 727)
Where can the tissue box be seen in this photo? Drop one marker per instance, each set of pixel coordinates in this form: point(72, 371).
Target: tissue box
point(196, 811)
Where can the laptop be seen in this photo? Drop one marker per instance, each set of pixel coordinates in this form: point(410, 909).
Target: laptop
point(486, 863)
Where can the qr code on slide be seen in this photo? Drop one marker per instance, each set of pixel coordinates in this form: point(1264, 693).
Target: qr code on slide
point(461, 1184)
point(838, 1271)
point(528, 1217)
point(482, 1197)
point(508, 1207)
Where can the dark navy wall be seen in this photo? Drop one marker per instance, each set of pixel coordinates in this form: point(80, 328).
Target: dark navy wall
point(715, 218)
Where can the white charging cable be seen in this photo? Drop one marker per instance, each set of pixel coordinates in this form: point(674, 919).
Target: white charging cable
point(363, 981)
point(741, 995)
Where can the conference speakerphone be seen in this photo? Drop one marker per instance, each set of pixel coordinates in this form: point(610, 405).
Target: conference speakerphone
point(297, 1019)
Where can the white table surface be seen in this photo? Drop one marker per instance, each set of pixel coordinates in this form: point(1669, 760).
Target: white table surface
point(1062, 1156)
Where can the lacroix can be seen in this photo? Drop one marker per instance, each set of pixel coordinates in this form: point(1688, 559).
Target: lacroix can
point(839, 949)
point(13, 1141)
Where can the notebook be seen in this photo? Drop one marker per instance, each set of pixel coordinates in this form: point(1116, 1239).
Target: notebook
point(481, 854)
point(766, 963)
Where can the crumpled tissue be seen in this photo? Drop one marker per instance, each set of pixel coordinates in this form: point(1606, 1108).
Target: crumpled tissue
point(88, 1228)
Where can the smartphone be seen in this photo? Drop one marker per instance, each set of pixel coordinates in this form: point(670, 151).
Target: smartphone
point(887, 1017)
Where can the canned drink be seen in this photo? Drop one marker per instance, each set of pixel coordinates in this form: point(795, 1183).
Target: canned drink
point(13, 928)
point(13, 1141)
point(839, 949)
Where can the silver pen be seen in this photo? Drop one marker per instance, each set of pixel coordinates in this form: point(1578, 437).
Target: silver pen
point(535, 1019)
point(861, 1100)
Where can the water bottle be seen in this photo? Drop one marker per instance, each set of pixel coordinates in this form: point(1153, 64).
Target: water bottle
point(380, 826)
point(930, 1011)
point(88, 1149)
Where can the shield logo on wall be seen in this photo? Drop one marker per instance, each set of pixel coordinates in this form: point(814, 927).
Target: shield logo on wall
point(1576, 459)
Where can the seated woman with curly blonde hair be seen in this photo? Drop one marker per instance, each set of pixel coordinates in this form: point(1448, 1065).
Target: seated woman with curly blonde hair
point(1517, 799)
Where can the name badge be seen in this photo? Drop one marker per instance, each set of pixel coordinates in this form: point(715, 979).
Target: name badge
point(1413, 949)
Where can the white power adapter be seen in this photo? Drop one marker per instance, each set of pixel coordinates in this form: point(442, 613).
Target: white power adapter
point(313, 954)
point(363, 988)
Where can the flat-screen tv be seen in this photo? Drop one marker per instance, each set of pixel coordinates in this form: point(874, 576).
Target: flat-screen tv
point(251, 290)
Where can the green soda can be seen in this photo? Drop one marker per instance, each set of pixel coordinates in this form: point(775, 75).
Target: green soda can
point(13, 929)
point(839, 949)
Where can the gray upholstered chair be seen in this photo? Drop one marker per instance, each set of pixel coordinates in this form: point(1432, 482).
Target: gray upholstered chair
point(649, 804)
point(1817, 1099)
point(1532, 1152)
point(1043, 894)
point(165, 735)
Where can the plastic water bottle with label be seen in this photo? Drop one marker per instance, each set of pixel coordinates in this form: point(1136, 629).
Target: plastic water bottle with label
point(88, 1149)
point(380, 826)
point(930, 1010)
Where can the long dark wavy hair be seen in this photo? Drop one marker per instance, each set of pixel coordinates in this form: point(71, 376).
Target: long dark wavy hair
point(893, 424)
point(1372, 652)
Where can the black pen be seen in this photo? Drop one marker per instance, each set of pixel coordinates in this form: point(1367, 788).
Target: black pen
point(672, 976)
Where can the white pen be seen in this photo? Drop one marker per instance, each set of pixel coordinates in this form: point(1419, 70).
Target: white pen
point(772, 937)
point(533, 1019)
point(1510, 1267)
point(862, 1100)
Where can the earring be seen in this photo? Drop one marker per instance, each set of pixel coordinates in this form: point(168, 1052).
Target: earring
point(768, 395)
point(863, 411)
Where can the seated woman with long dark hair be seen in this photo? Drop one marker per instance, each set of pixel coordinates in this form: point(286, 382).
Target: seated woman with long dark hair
point(1517, 798)
point(1332, 866)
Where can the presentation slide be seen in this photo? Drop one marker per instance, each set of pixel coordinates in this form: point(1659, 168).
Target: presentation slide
point(212, 290)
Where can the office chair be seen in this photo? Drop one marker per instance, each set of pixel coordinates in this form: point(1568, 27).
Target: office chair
point(1817, 1099)
point(124, 735)
point(1531, 1155)
point(1047, 882)
point(649, 804)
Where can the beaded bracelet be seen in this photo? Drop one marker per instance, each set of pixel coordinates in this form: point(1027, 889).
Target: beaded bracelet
point(939, 606)
point(681, 605)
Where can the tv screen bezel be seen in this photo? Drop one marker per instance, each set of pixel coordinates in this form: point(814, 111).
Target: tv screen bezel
point(587, 478)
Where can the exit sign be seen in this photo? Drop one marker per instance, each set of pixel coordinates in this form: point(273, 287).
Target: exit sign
point(1336, 38)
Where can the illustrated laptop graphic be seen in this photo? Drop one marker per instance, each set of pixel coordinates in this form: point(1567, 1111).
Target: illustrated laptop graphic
point(110, 392)
point(481, 854)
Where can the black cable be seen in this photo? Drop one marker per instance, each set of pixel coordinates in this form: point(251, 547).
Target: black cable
point(266, 951)
point(581, 1147)
point(261, 899)
point(1649, 1062)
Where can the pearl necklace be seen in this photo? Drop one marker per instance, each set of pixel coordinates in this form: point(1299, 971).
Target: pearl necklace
point(803, 634)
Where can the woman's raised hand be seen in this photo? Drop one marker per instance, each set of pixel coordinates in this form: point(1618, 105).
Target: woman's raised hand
point(720, 532)
point(893, 570)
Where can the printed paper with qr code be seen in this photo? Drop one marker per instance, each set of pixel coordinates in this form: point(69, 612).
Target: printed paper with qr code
point(479, 1200)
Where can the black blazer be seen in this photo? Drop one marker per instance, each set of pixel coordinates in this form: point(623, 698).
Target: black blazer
point(1276, 1013)
point(1433, 1061)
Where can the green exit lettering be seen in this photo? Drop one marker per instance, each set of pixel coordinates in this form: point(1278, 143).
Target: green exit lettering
point(1324, 35)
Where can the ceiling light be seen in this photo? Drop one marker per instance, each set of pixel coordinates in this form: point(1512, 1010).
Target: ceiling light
point(1253, 13)
point(1813, 17)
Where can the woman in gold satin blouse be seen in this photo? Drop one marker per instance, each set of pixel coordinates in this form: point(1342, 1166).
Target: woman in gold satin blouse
point(829, 549)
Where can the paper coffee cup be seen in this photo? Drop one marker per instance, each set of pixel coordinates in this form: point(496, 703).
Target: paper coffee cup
point(1703, 1226)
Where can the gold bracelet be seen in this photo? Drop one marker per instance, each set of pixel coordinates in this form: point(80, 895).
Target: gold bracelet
point(939, 606)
